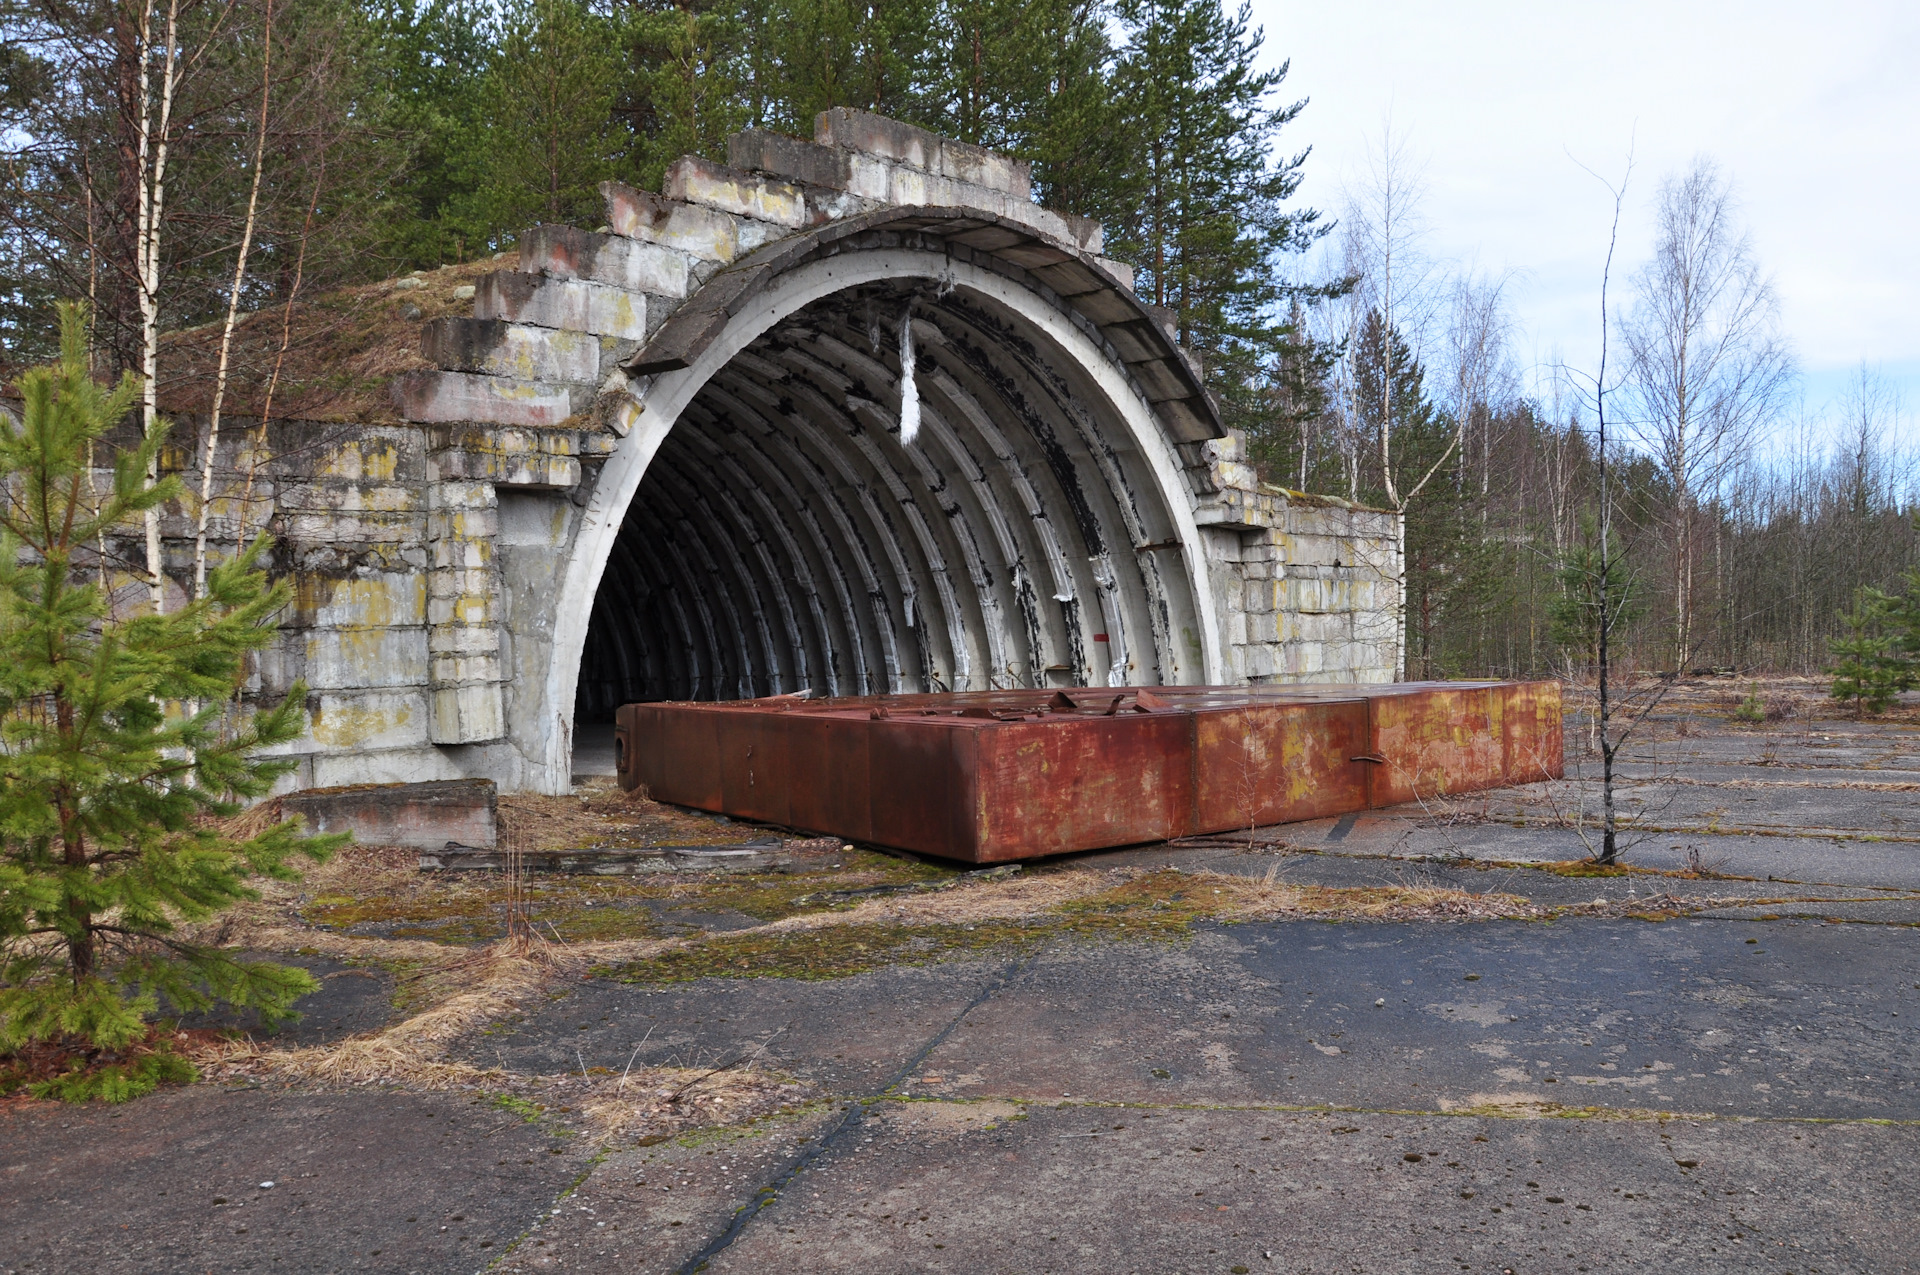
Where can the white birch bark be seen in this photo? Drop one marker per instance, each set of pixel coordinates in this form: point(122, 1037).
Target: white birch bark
point(233, 312)
point(152, 201)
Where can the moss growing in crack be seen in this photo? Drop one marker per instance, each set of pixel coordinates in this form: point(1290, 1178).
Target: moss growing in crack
point(465, 909)
point(1159, 906)
point(836, 951)
point(527, 1111)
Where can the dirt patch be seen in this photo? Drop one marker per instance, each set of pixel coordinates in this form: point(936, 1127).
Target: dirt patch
point(601, 814)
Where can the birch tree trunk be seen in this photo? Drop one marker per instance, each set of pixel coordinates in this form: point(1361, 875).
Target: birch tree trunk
point(233, 312)
point(152, 162)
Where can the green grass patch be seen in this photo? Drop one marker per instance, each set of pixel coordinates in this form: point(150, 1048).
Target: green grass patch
point(464, 909)
point(1159, 906)
point(836, 951)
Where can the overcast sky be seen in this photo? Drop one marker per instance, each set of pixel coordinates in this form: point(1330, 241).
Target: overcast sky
point(1813, 110)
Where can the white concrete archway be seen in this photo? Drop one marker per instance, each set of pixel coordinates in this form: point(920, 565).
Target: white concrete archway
point(1110, 480)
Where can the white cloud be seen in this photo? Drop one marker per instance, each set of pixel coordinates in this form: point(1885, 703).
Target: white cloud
point(1812, 110)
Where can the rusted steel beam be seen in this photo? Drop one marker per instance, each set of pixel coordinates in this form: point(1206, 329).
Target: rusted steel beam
point(990, 776)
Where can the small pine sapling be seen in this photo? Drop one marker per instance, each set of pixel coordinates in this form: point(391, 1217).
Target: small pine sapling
point(1879, 656)
point(121, 748)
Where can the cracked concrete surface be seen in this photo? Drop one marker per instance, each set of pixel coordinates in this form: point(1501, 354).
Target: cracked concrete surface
point(1731, 1088)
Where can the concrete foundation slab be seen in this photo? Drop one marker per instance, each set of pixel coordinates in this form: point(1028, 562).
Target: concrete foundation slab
point(428, 815)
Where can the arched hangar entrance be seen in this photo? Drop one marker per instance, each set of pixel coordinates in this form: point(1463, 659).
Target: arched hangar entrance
point(766, 528)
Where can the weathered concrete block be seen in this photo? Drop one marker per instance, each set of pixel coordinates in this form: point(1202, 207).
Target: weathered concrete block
point(465, 396)
point(467, 580)
point(711, 185)
point(848, 129)
point(457, 612)
point(346, 498)
point(704, 233)
point(1262, 596)
point(635, 265)
point(756, 150)
point(334, 530)
point(868, 177)
point(511, 457)
point(1259, 661)
point(452, 670)
point(463, 526)
point(499, 348)
point(534, 520)
point(381, 455)
point(468, 715)
point(481, 637)
point(453, 552)
point(468, 494)
point(368, 719)
point(424, 815)
point(340, 659)
point(382, 600)
point(575, 304)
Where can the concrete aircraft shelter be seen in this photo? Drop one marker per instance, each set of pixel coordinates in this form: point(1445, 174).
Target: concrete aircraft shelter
point(666, 460)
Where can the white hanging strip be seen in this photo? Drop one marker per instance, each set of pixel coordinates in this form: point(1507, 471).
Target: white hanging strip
point(909, 393)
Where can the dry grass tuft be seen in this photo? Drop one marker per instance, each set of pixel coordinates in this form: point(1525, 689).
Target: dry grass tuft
point(1006, 899)
point(656, 1103)
point(494, 981)
point(600, 813)
point(365, 1060)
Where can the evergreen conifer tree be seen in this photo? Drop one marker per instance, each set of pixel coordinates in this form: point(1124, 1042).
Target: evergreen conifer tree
point(551, 136)
point(1574, 616)
point(689, 78)
point(1202, 211)
point(118, 748)
point(1880, 650)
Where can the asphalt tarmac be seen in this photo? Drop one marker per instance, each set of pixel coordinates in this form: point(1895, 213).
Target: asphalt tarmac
point(1732, 1089)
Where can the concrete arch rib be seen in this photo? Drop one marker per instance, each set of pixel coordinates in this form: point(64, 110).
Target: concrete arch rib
point(766, 465)
point(961, 528)
point(960, 515)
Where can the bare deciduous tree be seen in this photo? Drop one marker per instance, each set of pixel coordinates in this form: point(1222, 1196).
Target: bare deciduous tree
point(1707, 366)
point(233, 312)
point(1381, 250)
point(1478, 330)
point(154, 133)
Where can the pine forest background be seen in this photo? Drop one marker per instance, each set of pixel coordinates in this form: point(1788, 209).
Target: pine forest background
point(398, 135)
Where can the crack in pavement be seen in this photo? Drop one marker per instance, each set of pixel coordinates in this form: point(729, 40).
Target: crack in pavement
point(849, 1123)
point(1487, 1111)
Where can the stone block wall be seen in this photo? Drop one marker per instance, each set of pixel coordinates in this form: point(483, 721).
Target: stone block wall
point(425, 546)
point(1306, 585)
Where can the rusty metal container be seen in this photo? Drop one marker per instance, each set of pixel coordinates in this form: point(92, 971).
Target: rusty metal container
point(986, 777)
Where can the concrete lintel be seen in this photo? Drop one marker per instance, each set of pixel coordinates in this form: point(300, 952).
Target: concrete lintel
point(425, 815)
point(758, 150)
point(700, 181)
point(703, 233)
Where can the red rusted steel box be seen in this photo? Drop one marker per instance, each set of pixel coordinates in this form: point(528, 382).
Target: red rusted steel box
point(990, 776)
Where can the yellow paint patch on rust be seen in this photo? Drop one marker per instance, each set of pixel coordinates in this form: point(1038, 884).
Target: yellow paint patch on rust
point(353, 727)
